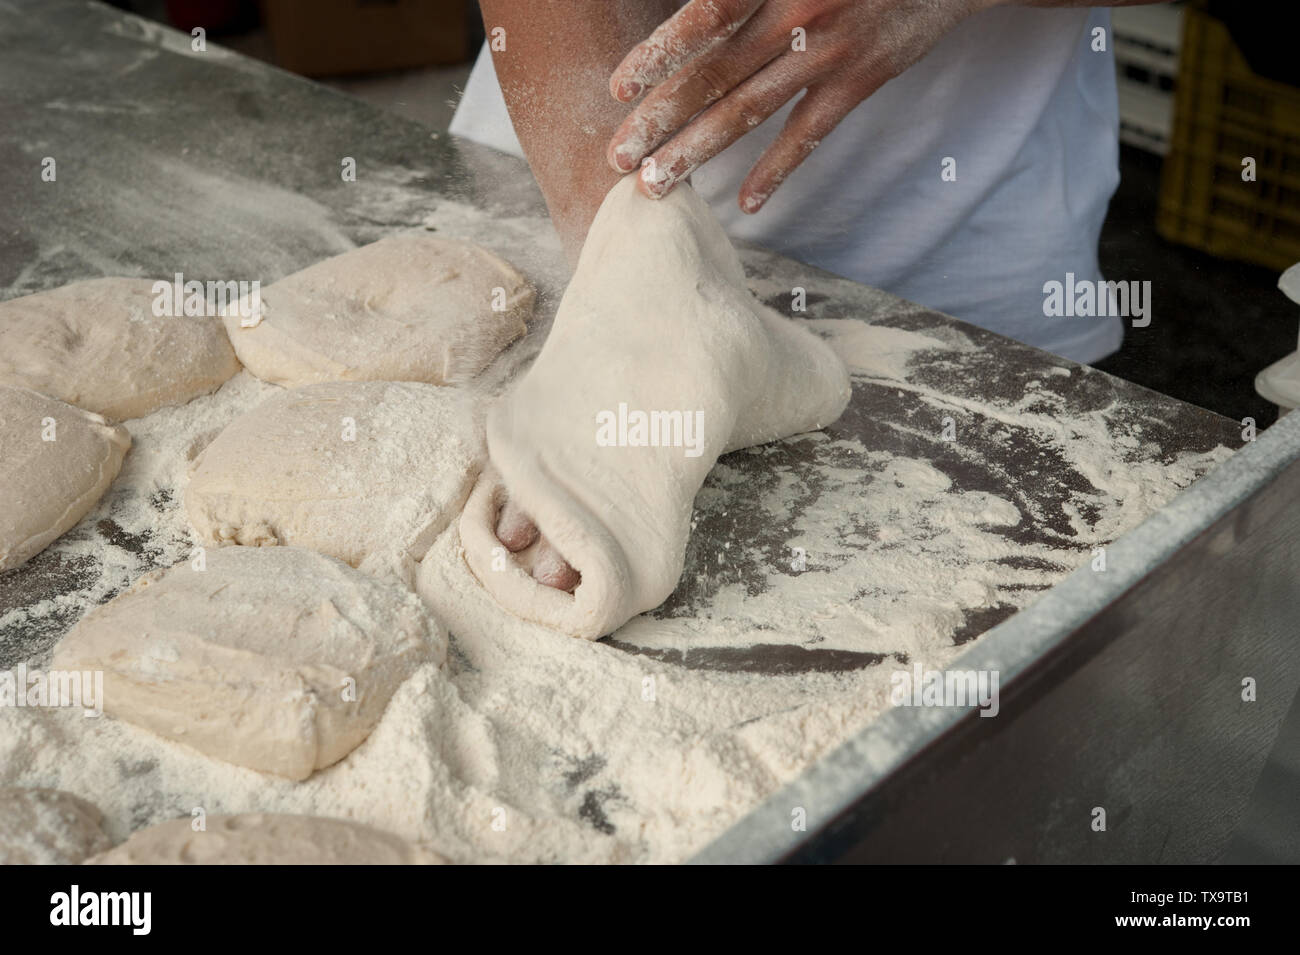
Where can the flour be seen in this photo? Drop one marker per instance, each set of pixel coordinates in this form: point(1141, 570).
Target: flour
point(1103, 445)
point(528, 746)
point(258, 839)
point(816, 567)
point(43, 827)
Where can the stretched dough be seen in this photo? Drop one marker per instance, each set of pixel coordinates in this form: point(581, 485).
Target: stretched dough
point(46, 486)
point(406, 308)
point(346, 468)
point(48, 827)
point(657, 319)
point(98, 345)
point(261, 839)
point(279, 659)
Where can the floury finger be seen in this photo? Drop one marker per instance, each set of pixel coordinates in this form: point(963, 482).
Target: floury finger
point(695, 29)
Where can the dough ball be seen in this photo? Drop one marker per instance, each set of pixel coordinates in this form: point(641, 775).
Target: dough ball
point(98, 345)
point(406, 308)
point(278, 659)
point(261, 839)
point(56, 461)
point(48, 827)
point(345, 468)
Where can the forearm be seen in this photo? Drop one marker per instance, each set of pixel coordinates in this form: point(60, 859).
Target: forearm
point(554, 73)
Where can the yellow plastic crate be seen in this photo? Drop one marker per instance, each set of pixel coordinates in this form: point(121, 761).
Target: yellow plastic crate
point(1224, 113)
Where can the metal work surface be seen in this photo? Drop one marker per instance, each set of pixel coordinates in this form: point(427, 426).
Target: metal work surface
point(218, 167)
point(1121, 690)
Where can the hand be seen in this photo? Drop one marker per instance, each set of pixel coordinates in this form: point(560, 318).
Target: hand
point(736, 62)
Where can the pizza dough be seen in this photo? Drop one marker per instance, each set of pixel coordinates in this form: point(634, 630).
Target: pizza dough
point(261, 839)
point(56, 461)
point(347, 468)
point(406, 308)
point(48, 827)
point(279, 659)
point(98, 345)
point(659, 360)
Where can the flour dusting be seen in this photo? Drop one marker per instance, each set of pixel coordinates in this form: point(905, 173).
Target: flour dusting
point(817, 566)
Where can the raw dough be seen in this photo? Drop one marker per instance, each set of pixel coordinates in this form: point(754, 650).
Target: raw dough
point(279, 659)
point(406, 308)
point(260, 839)
point(657, 319)
point(48, 827)
point(287, 472)
point(47, 486)
point(98, 345)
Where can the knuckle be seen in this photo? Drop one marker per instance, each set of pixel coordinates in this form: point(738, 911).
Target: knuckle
point(721, 16)
point(713, 78)
point(747, 115)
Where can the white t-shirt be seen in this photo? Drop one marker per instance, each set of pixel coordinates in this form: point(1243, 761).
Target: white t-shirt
point(1016, 100)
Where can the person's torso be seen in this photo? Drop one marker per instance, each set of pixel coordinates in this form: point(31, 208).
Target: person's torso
point(964, 184)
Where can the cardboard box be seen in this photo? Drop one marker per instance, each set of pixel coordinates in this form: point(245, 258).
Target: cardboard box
point(334, 37)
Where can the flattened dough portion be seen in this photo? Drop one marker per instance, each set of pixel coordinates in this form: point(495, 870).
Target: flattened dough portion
point(98, 345)
point(279, 659)
point(406, 308)
point(345, 468)
point(48, 827)
point(46, 486)
point(263, 839)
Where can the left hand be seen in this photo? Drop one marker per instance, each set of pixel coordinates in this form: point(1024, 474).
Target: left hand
point(736, 62)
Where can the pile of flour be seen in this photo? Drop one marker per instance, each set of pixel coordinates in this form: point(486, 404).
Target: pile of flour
point(806, 586)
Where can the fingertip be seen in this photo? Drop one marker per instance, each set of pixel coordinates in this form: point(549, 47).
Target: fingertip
point(753, 197)
point(627, 82)
point(551, 569)
point(647, 183)
point(621, 158)
point(656, 187)
point(627, 90)
point(514, 528)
